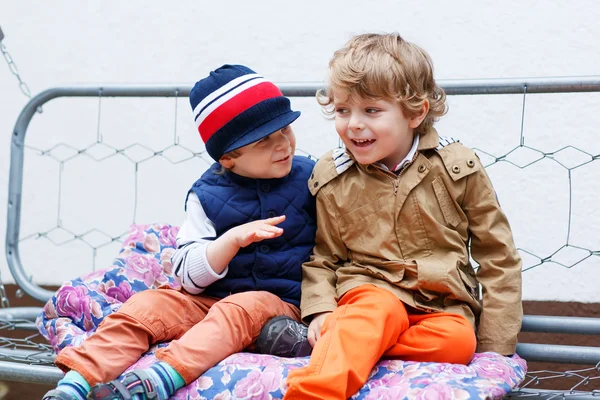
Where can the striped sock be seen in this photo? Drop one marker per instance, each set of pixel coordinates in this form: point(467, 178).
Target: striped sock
point(75, 385)
point(166, 380)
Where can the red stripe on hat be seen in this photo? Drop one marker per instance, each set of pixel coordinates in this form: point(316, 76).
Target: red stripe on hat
point(235, 106)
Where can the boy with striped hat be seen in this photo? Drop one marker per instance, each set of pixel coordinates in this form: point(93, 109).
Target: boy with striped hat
point(250, 225)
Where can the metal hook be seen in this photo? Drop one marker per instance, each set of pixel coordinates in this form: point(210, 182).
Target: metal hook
point(523, 115)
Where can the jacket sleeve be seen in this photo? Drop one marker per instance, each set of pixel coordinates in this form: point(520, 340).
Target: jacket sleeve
point(318, 275)
point(499, 273)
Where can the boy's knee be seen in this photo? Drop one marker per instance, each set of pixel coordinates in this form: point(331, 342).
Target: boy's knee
point(257, 307)
point(459, 343)
point(378, 305)
point(252, 301)
point(388, 302)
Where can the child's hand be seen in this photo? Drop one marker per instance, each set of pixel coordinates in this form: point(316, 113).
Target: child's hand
point(314, 329)
point(222, 250)
point(257, 231)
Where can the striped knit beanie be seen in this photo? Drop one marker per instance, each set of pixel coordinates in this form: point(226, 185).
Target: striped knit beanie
point(234, 107)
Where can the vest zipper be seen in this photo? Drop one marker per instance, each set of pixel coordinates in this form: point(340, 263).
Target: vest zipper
point(395, 187)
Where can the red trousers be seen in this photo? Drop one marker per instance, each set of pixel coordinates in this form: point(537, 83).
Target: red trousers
point(368, 324)
point(203, 331)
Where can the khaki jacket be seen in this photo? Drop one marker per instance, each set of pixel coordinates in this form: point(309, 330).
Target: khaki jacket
point(409, 233)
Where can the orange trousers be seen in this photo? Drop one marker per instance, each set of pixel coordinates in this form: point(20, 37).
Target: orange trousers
point(368, 324)
point(203, 331)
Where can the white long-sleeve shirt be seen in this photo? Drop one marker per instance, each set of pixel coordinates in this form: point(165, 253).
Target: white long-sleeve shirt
point(189, 260)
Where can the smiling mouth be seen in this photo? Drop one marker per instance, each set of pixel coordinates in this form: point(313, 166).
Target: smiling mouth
point(284, 159)
point(362, 142)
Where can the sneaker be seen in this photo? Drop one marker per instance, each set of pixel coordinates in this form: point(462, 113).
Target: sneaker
point(284, 337)
point(136, 382)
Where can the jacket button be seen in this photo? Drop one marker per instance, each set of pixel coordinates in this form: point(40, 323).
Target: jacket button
point(264, 248)
point(470, 163)
point(265, 187)
point(316, 184)
point(456, 169)
point(271, 214)
point(421, 168)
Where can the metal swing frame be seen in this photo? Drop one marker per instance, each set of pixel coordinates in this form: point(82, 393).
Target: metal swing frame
point(30, 361)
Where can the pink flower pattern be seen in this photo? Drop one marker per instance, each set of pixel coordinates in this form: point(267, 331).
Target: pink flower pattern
point(137, 233)
point(165, 260)
point(168, 235)
point(145, 268)
point(119, 293)
point(258, 385)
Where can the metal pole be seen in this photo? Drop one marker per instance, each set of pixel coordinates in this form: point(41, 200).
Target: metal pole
point(559, 353)
point(10, 371)
point(578, 325)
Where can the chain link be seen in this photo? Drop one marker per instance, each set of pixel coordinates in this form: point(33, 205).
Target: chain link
point(4, 303)
point(14, 70)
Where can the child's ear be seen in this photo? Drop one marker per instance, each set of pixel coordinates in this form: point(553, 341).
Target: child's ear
point(417, 119)
point(227, 162)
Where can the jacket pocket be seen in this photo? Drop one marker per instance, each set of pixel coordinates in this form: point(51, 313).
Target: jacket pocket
point(429, 302)
point(446, 203)
point(390, 271)
point(433, 277)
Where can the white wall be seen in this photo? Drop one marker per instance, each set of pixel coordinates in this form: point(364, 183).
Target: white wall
point(67, 42)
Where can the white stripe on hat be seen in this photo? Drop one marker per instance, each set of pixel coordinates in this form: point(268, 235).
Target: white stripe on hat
point(226, 97)
point(223, 89)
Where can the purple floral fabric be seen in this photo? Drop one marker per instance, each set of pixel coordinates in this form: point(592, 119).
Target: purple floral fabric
point(78, 307)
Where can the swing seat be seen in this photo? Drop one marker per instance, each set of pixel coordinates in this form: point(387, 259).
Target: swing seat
point(75, 311)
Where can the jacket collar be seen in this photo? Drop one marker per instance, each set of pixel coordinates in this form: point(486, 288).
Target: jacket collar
point(429, 140)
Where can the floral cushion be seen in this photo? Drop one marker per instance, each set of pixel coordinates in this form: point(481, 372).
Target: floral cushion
point(258, 376)
point(78, 307)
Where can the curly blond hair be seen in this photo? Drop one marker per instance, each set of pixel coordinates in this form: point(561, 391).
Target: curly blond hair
point(386, 66)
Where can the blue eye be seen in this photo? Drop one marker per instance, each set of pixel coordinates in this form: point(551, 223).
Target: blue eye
point(372, 110)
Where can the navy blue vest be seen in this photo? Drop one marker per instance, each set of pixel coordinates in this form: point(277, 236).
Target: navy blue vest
point(273, 265)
